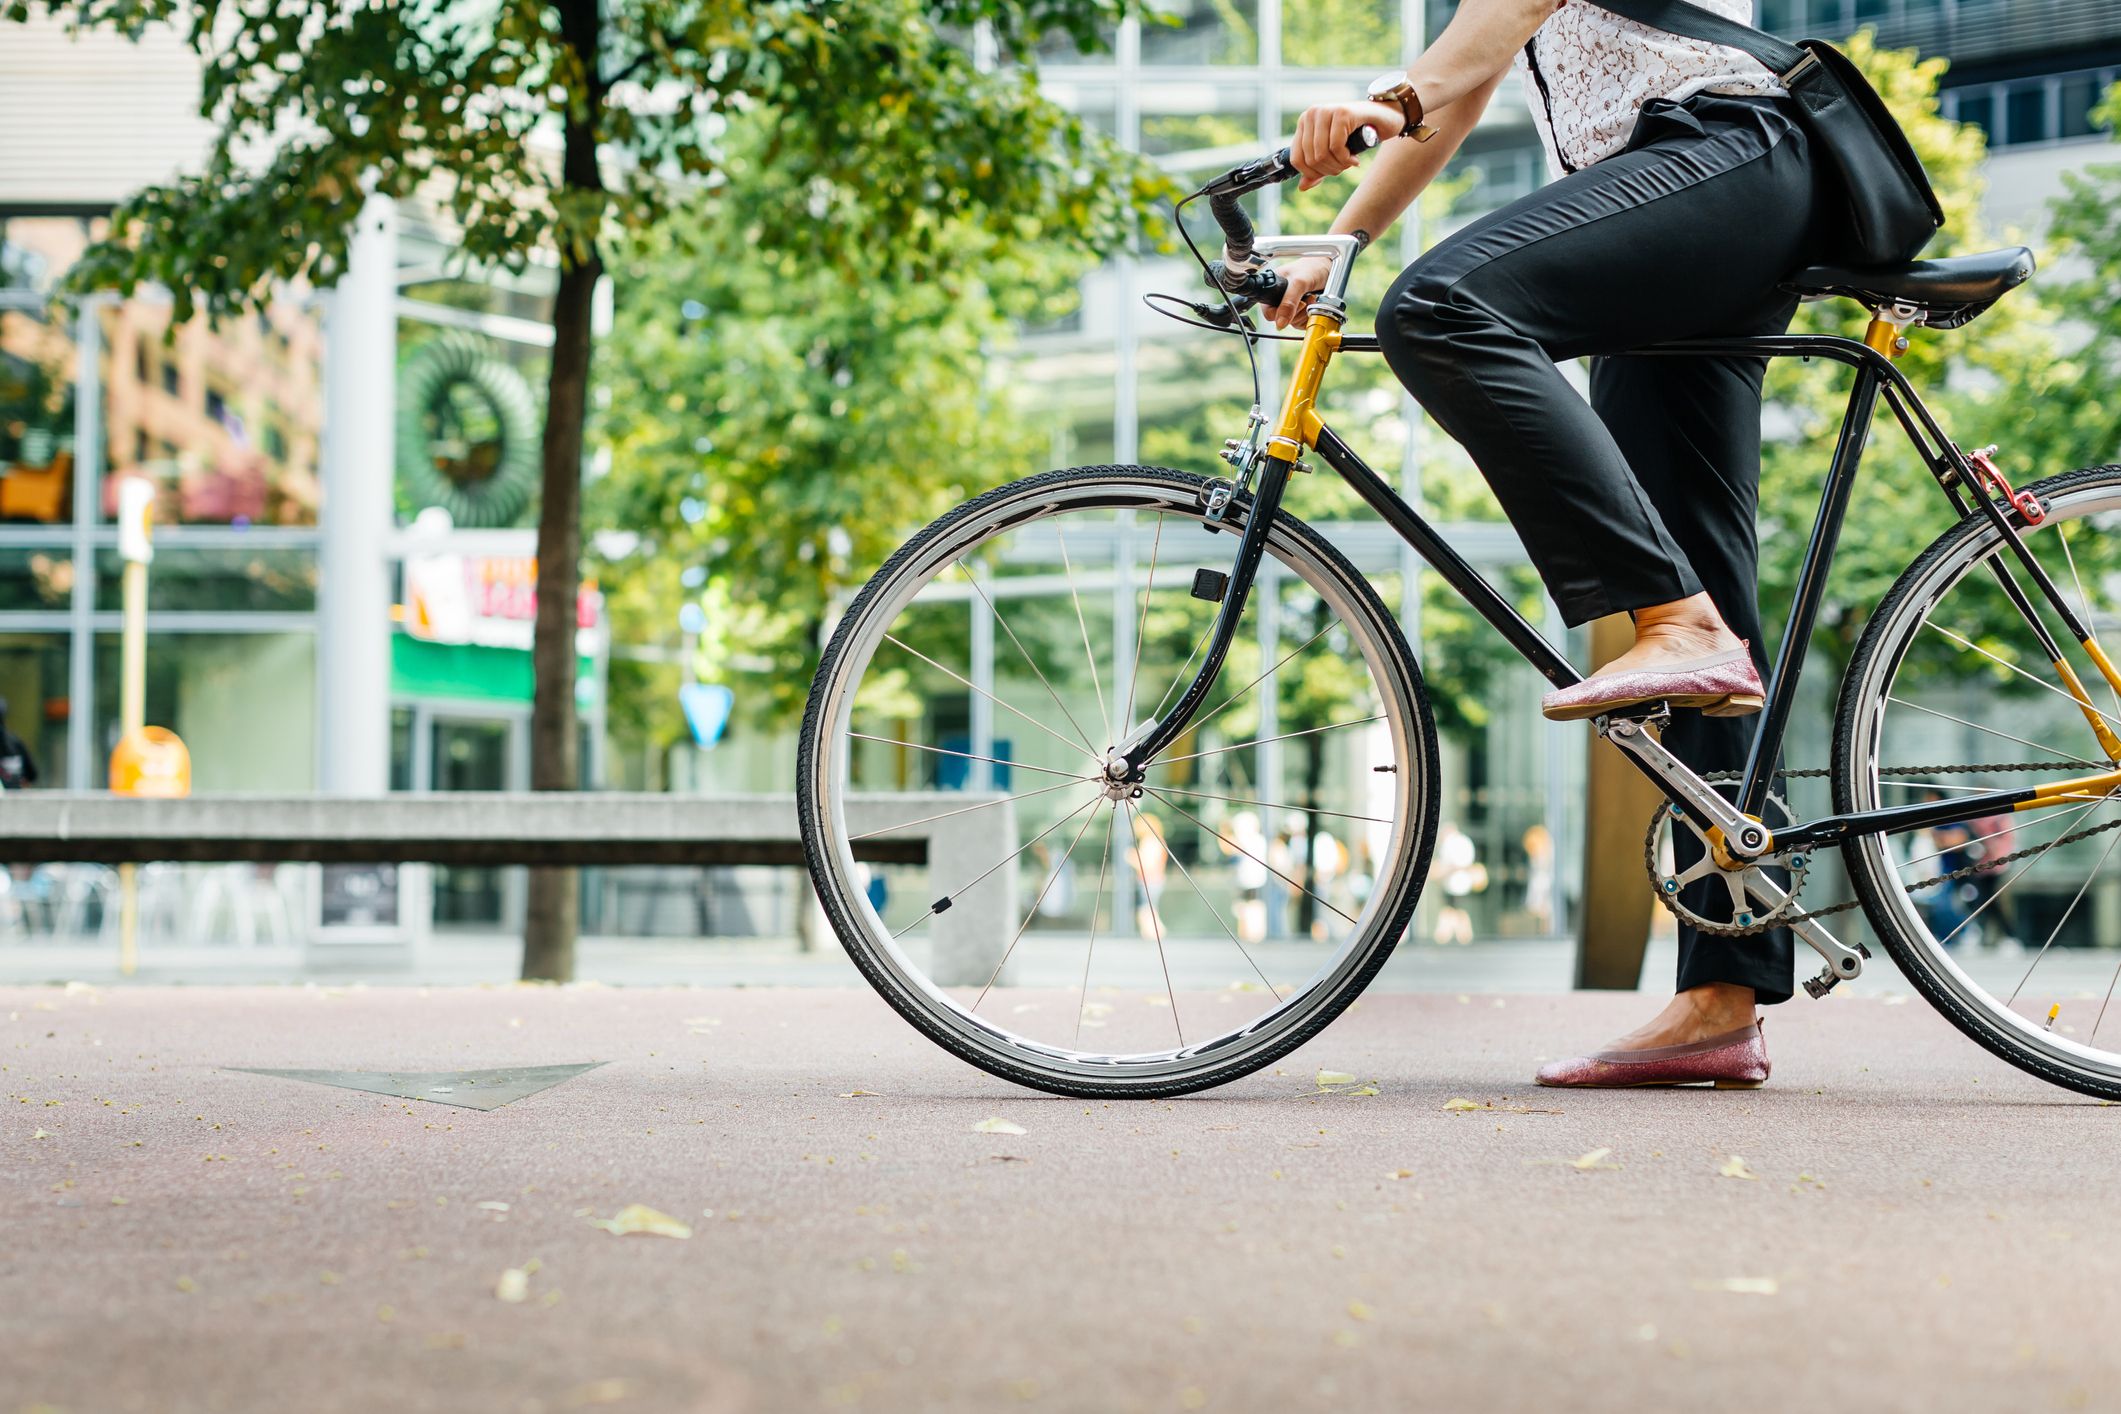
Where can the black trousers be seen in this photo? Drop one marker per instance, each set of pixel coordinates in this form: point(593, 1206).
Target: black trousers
point(1647, 493)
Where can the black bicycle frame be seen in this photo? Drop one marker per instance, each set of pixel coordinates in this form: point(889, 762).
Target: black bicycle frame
point(1876, 377)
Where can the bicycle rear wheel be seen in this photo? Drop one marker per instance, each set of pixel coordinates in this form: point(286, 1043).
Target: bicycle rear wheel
point(2022, 951)
point(1079, 939)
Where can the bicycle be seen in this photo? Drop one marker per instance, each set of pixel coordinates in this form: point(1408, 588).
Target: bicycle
point(1132, 1007)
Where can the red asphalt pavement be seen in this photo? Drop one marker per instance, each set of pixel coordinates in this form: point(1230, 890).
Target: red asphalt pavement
point(1925, 1228)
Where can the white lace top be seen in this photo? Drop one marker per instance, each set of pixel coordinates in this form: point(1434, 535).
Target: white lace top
point(1597, 70)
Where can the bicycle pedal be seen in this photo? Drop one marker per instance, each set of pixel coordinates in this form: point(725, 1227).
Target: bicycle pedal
point(1817, 987)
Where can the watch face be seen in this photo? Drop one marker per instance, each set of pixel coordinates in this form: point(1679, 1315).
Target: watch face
point(1385, 83)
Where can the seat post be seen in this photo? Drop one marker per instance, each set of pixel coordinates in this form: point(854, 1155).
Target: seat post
point(1887, 332)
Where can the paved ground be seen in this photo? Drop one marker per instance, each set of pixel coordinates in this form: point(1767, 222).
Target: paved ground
point(1927, 1230)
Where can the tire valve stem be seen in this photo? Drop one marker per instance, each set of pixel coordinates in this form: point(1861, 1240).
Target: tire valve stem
point(2052, 1012)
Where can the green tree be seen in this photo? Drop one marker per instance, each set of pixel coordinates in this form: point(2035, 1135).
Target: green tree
point(2024, 377)
point(778, 426)
point(558, 127)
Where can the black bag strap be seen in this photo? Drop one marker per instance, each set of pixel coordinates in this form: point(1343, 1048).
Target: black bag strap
point(1693, 22)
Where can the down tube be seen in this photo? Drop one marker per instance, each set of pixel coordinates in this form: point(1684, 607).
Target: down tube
point(1410, 527)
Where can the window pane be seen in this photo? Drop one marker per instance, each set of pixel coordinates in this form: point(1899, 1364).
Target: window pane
point(33, 686)
point(1201, 32)
point(1193, 390)
point(2080, 94)
point(270, 580)
point(1362, 34)
point(226, 421)
point(36, 419)
point(34, 578)
point(244, 703)
point(1063, 388)
point(2027, 120)
point(1979, 109)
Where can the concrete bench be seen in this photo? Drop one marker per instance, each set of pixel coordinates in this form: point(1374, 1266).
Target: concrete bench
point(492, 828)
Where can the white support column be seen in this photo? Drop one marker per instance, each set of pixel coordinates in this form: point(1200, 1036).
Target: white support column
point(353, 598)
point(82, 744)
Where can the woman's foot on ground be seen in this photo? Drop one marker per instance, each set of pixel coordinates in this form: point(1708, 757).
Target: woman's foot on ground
point(1705, 1035)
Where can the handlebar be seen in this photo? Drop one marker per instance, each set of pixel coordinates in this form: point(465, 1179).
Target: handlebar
point(1259, 286)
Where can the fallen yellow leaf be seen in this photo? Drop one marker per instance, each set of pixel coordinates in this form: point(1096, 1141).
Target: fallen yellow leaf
point(1596, 1159)
point(513, 1286)
point(639, 1217)
point(997, 1125)
point(1457, 1104)
point(1734, 1167)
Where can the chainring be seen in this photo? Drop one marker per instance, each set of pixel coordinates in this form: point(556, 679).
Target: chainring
point(1668, 887)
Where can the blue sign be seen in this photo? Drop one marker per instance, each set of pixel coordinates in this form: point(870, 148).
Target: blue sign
point(706, 706)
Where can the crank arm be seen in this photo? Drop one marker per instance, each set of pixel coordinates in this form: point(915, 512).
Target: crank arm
point(1843, 963)
point(1743, 837)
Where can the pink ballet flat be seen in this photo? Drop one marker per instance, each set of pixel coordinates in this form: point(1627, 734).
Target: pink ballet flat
point(1736, 1060)
point(1724, 685)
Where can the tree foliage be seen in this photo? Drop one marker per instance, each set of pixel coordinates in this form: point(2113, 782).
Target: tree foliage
point(554, 129)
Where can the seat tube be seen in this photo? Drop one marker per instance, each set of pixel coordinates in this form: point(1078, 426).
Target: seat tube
point(1811, 589)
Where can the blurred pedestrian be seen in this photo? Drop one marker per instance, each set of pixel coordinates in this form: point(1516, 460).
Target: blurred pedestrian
point(18, 768)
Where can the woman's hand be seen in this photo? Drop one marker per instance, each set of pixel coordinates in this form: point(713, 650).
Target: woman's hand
point(1306, 278)
point(1320, 148)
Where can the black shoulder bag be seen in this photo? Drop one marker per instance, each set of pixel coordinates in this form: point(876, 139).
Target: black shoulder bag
point(1892, 212)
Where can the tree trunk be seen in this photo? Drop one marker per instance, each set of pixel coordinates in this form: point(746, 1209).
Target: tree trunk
point(552, 917)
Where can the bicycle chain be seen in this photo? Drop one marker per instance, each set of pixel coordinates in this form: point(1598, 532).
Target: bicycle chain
point(1781, 919)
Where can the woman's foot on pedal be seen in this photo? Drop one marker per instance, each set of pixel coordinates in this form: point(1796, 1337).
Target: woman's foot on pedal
point(1721, 685)
point(1683, 655)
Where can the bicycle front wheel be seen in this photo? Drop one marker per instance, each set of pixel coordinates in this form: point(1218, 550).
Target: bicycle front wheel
point(1096, 941)
point(2010, 924)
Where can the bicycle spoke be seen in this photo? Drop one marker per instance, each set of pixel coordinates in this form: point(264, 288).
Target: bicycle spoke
point(964, 810)
point(995, 609)
point(2084, 602)
point(894, 638)
point(1156, 922)
point(1938, 785)
point(2056, 931)
point(2037, 682)
point(2037, 745)
point(2101, 1018)
point(1277, 805)
point(2008, 829)
point(969, 756)
point(1242, 850)
point(1216, 914)
point(1982, 908)
point(1182, 675)
point(1097, 904)
point(1142, 629)
point(1265, 675)
point(991, 869)
point(1032, 912)
point(1111, 737)
point(1262, 741)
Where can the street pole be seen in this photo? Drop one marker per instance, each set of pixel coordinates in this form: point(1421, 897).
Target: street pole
point(136, 510)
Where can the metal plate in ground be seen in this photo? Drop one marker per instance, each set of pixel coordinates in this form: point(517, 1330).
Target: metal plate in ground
point(466, 1089)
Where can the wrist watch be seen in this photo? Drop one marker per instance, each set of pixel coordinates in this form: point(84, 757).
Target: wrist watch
point(1396, 89)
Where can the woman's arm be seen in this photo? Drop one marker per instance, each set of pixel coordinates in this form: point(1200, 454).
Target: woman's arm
point(1473, 50)
point(1400, 173)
